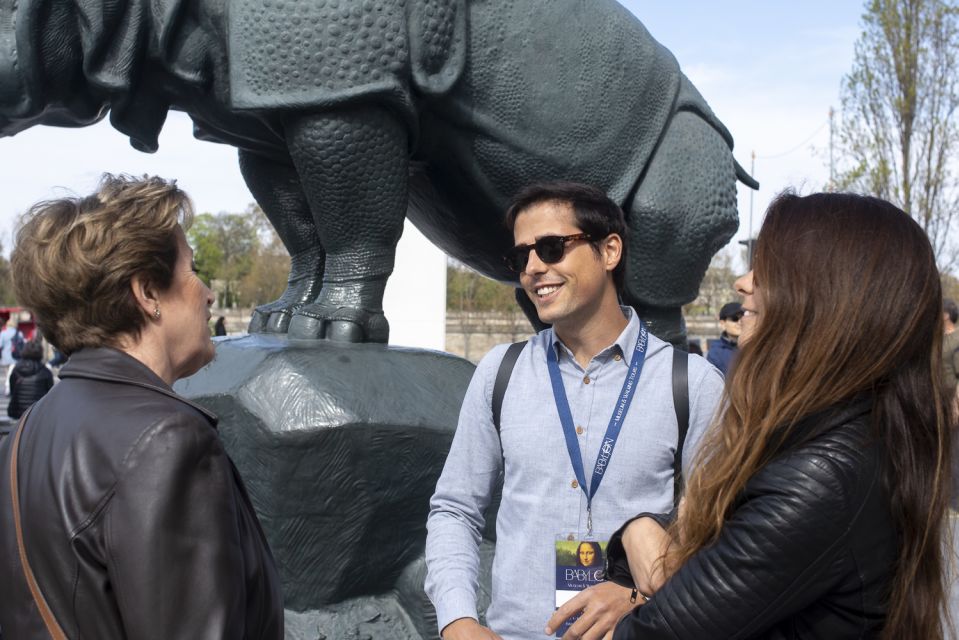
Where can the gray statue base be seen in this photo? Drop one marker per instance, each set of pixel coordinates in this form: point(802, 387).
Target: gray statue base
point(340, 447)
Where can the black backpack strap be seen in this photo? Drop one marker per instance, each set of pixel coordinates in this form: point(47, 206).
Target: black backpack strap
point(499, 392)
point(502, 379)
point(681, 405)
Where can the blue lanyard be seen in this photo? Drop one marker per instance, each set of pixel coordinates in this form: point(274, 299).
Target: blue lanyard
point(615, 421)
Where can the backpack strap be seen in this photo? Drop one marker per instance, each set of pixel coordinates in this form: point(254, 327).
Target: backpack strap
point(681, 406)
point(503, 375)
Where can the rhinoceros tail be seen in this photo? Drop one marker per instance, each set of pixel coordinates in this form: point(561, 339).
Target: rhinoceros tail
point(745, 178)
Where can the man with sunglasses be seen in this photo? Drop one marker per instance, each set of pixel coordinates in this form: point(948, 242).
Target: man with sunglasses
point(722, 351)
point(586, 435)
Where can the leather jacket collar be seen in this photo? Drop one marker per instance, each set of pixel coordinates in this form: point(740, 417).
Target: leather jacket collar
point(112, 365)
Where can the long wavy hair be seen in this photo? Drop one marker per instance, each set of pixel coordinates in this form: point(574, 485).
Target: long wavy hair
point(851, 304)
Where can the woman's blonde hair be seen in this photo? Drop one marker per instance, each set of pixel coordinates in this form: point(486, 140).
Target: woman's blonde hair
point(851, 305)
point(74, 258)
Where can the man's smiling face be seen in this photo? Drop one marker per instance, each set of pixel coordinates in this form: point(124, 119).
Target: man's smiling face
point(568, 291)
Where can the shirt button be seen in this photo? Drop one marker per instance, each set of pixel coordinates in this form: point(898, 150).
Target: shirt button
point(579, 430)
point(574, 484)
point(617, 357)
point(585, 379)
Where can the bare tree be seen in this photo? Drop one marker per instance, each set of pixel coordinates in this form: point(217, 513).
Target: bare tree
point(898, 131)
point(716, 289)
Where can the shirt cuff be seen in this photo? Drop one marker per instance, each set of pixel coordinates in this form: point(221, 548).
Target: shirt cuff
point(453, 605)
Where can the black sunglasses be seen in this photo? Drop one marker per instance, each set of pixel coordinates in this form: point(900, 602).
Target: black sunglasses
point(550, 250)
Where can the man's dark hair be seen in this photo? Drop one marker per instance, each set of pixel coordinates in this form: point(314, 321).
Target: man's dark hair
point(950, 308)
point(594, 212)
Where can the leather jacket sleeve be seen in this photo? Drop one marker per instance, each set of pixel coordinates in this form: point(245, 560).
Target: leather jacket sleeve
point(173, 547)
point(617, 564)
point(777, 553)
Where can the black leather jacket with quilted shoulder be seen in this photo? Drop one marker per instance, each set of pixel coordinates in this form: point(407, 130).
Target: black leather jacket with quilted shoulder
point(807, 553)
point(135, 521)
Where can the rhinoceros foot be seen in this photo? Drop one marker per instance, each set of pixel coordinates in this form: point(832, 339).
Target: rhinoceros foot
point(339, 324)
point(303, 287)
point(272, 318)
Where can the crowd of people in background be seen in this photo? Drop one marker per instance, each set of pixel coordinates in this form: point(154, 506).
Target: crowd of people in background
point(29, 365)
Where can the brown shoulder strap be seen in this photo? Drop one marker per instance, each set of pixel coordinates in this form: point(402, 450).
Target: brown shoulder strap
point(51, 622)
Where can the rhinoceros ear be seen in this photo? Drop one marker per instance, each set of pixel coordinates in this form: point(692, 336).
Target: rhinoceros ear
point(437, 44)
point(141, 118)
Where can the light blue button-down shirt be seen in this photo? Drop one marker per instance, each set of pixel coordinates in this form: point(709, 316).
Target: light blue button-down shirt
point(539, 499)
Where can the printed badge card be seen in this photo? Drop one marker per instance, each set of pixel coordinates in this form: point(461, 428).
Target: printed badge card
point(579, 564)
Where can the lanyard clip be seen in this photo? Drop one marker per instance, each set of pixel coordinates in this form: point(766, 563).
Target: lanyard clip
point(589, 521)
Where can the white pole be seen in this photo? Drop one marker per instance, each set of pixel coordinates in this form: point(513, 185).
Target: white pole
point(749, 238)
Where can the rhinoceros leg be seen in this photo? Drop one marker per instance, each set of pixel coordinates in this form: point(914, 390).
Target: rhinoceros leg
point(682, 213)
point(353, 166)
point(276, 187)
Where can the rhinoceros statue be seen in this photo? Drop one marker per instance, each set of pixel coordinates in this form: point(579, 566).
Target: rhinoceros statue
point(351, 114)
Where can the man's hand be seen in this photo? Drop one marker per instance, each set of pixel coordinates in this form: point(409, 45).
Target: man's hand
point(645, 543)
point(602, 606)
point(467, 629)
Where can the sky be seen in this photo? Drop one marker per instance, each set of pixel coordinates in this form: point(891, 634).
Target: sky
point(769, 69)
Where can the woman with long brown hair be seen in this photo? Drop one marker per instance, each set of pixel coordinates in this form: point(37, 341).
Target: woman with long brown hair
point(818, 505)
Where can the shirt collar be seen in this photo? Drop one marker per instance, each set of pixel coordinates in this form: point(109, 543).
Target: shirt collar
point(624, 344)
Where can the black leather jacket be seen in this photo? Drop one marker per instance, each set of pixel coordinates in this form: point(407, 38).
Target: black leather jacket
point(136, 523)
point(808, 551)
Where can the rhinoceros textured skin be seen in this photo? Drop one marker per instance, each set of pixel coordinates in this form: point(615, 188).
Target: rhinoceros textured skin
point(351, 114)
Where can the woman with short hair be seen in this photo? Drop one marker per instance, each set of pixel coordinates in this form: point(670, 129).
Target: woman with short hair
point(128, 515)
point(817, 505)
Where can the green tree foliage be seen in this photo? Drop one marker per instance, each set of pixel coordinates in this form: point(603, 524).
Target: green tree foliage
point(6, 282)
point(469, 292)
point(481, 305)
point(207, 253)
point(898, 132)
point(236, 253)
point(950, 287)
point(716, 288)
point(267, 277)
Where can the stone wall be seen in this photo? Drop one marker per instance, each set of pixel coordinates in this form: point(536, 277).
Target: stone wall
point(471, 335)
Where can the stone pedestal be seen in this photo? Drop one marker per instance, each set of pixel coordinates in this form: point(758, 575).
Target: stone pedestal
point(340, 447)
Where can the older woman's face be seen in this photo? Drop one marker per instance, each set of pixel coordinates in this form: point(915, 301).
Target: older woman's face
point(185, 314)
point(752, 306)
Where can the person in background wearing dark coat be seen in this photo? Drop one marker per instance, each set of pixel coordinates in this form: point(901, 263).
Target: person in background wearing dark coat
point(134, 520)
point(219, 328)
point(950, 350)
point(30, 379)
point(816, 508)
point(722, 351)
